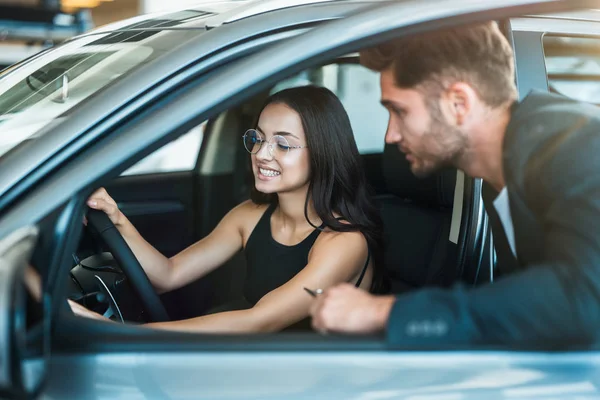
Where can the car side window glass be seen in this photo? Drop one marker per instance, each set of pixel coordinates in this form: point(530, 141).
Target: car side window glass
point(178, 155)
point(573, 67)
point(359, 91)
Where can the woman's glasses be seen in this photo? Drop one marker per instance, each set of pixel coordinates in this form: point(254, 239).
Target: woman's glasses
point(278, 145)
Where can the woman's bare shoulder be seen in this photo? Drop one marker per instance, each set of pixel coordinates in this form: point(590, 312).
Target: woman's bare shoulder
point(329, 235)
point(247, 214)
point(350, 238)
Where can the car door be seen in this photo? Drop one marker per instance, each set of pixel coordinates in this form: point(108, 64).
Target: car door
point(109, 360)
point(258, 367)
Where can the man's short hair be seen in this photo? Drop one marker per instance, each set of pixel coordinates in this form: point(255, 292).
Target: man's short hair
point(476, 54)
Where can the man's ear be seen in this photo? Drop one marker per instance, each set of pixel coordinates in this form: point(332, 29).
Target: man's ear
point(459, 99)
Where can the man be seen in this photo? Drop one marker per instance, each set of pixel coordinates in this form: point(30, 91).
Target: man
point(452, 102)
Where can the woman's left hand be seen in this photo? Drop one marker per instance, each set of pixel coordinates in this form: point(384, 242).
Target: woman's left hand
point(81, 311)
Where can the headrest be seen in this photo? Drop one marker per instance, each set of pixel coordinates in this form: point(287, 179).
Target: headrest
point(436, 190)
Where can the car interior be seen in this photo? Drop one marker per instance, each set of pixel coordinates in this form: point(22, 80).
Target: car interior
point(425, 220)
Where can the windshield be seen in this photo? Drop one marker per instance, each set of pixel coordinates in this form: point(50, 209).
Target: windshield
point(45, 89)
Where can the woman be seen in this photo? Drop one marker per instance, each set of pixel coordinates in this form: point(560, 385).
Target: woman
point(310, 221)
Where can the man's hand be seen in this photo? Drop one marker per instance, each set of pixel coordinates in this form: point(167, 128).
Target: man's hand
point(344, 308)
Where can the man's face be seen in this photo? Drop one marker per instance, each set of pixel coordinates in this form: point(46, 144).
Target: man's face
point(419, 129)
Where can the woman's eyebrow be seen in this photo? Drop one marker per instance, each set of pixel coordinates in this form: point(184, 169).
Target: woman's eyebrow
point(284, 133)
point(281, 133)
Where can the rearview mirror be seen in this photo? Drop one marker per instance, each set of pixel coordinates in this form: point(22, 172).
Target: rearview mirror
point(48, 83)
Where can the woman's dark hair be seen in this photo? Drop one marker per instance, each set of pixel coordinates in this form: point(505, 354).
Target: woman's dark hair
point(338, 184)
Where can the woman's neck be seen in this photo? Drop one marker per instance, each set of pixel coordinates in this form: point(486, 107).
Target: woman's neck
point(291, 209)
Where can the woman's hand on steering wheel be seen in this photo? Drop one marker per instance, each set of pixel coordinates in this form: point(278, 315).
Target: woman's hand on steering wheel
point(81, 311)
point(101, 200)
point(106, 219)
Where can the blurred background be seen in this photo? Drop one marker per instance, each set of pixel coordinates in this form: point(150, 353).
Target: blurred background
point(29, 26)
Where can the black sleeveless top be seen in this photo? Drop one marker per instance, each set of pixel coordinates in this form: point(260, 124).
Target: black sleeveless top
point(270, 264)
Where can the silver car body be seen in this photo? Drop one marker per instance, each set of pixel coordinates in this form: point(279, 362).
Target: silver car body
point(37, 178)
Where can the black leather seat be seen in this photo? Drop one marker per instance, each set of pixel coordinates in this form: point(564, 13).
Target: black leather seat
point(417, 216)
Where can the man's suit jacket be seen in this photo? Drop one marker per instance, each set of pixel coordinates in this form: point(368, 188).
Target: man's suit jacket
point(551, 167)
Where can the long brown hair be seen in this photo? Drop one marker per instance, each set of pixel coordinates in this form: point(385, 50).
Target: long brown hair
point(338, 183)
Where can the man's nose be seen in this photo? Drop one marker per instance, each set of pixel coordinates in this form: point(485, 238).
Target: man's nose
point(392, 136)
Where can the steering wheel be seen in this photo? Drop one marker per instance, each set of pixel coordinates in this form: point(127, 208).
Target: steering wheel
point(131, 267)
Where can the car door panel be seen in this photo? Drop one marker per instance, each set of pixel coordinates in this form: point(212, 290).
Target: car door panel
point(161, 364)
point(162, 207)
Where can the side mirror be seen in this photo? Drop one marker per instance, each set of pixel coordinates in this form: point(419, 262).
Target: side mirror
point(24, 341)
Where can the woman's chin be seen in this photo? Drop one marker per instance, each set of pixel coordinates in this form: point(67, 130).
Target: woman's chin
point(265, 187)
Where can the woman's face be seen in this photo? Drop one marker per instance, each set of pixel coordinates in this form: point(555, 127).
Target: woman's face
point(276, 168)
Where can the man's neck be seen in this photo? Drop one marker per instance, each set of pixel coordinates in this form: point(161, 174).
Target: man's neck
point(483, 158)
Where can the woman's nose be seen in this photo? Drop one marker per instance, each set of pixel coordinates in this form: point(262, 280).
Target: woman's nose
point(264, 153)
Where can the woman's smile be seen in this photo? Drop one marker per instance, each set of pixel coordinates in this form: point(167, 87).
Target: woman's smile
point(267, 174)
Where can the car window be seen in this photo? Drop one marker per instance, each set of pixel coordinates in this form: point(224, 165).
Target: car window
point(178, 155)
point(573, 67)
point(358, 89)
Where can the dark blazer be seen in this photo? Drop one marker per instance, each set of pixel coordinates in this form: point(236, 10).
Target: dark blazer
point(552, 173)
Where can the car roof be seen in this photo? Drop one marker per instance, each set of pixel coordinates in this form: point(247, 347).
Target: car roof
point(211, 14)
point(587, 15)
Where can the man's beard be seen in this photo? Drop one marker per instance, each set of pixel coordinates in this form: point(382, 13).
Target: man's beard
point(447, 144)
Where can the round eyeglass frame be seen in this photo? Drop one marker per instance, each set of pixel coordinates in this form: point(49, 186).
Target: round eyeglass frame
point(270, 145)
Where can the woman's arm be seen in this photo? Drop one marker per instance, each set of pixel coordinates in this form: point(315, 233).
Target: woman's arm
point(335, 257)
point(199, 259)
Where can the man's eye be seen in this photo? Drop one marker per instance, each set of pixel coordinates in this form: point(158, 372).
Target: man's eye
point(400, 113)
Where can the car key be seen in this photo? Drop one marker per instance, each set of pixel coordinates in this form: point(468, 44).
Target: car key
point(313, 293)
